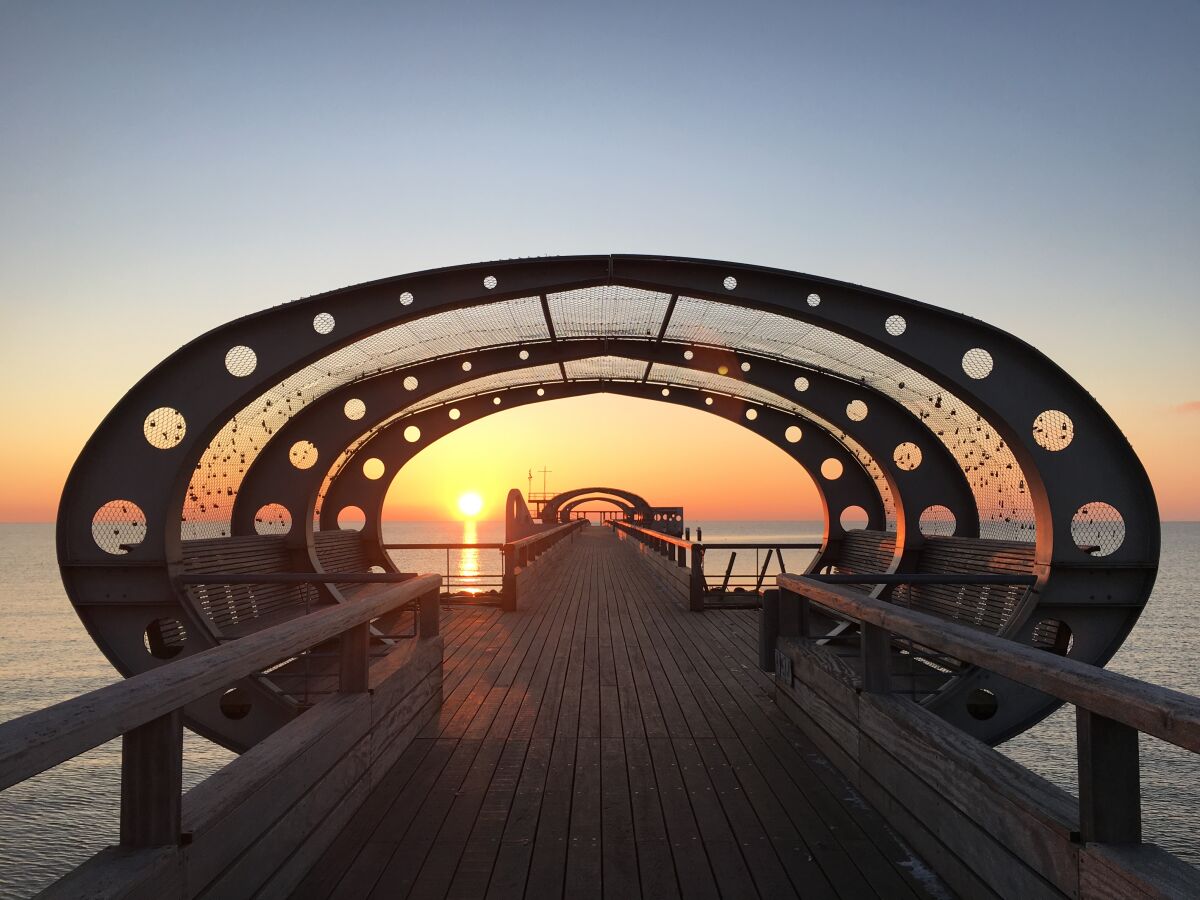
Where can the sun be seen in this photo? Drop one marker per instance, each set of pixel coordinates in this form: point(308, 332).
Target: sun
point(470, 504)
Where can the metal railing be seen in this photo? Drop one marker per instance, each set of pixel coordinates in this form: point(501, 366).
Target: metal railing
point(1111, 709)
point(514, 556)
point(145, 711)
point(729, 583)
point(457, 583)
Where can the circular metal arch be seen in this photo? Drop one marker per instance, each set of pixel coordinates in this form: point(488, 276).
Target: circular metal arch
point(141, 474)
point(633, 502)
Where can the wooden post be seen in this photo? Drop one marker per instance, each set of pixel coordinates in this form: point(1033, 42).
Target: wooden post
point(1110, 793)
point(356, 644)
point(698, 585)
point(876, 659)
point(152, 783)
point(429, 621)
point(768, 630)
point(683, 557)
point(508, 583)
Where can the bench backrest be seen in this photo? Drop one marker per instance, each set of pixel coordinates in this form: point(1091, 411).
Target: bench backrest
point(342, 551)
point(861, 552)
point(228, 605)
point(987, 606)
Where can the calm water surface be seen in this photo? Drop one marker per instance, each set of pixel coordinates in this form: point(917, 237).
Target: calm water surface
point(60, 818)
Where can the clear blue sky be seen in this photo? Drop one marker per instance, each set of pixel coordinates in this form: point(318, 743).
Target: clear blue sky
point(166, 167)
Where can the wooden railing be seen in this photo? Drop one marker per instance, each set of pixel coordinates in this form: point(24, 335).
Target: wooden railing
point(519, 554)
point(145, 710)
point(1111, 709)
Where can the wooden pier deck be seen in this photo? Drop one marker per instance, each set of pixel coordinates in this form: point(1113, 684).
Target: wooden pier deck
point(602, 741)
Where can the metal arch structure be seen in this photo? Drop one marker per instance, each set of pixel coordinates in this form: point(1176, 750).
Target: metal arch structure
point(633, 502)
point(920, 407)
point(622, 509)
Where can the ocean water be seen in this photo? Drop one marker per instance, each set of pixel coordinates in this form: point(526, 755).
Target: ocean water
point(58, 819)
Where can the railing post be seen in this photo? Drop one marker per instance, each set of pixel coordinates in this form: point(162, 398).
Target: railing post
point(508, 584)
point(152, 783)
point(1110, 792)
point(768, 630)
point(356, 648)
point(696, 594)
point(430, 621)
point(876, 659)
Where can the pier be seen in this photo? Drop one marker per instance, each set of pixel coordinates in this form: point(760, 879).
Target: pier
point(611, 714)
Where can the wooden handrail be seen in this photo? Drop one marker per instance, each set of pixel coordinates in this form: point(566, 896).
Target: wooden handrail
point(655, 535)
point(537, 537)
point(43, 739)
point(1157, 711)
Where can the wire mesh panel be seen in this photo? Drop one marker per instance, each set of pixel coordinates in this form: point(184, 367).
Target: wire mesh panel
point(995, 477)
point(608, 311)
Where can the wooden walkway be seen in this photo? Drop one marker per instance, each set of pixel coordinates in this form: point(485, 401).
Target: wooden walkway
point(605, 742)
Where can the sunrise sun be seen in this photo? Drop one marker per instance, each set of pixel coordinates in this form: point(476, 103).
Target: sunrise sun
point(470, 504)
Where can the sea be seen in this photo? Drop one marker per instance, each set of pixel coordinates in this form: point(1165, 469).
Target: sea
point(58, 819)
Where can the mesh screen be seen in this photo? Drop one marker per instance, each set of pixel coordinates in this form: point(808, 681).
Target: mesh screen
point(606, 368)
point(1005, 506)
point(615, 311)
point(214, 485)
point(608, 311)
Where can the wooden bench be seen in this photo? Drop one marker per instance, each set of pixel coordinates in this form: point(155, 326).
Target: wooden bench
point(991, 607)
point(240, 609)
point(988, 606)
point(862, 552)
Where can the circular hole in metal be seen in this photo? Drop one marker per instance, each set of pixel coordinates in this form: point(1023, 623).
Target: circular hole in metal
point(793, 434)
point(303, 454)
point(708, 401)
point(374, 468)
point(495, 401)
point(541, 392)
point(895, 325)
point(814, 299)
point(1097, 528)
point(1054, 636)
point(937, 521)
point(853, 518)
point(406, 299)
point(907, 456)
point(856, 410)
point(273, 518)
point(666, 392)
point(490, 282)
point(977, 363)
point(745, 367)
point(982, 704)
point(351, 518)
point(524, 354)
point(323, 323)
point(801, 383)
point(730, 282)
point(235, 704)
point(118, 526)
point(722, 370)
point(455, 414)
point(411, 383)
point(466, 366)
point(688, 354)
point(240, 361)
point(165, 428)
point(1053, 430)
point(752, 414)
point(832, 469)
point(412, 434)
point(164, 638)
point(354, 409)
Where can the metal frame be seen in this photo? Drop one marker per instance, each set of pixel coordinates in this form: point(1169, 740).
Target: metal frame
point(1099, 598)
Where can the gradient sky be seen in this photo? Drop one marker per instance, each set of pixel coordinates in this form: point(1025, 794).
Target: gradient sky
point(167, 167)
